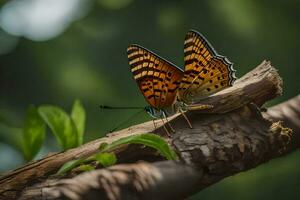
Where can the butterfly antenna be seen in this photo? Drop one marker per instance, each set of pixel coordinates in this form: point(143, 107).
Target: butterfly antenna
point(119, 107)
point(124, 122)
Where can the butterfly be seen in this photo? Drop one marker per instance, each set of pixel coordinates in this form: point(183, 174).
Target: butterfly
point(167, 88)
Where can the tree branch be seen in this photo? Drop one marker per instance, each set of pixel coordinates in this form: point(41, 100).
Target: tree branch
point(218, 146)
point(289, 113)
point(257, 86)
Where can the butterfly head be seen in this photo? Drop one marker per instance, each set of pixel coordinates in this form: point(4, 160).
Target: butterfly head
point(185, 99)
point(179, 105)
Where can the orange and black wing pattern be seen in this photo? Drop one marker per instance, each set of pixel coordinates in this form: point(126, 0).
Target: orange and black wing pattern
point(157, 78)
point(206, 72)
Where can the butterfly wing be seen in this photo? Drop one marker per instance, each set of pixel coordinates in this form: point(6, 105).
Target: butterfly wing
point(157, 78)
point(206, 72)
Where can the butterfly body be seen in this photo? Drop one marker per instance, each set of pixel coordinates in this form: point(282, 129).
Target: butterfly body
point(167, 88)
point(155, 113)
point(176, 107)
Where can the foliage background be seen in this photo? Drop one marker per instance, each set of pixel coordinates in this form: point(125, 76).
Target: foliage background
point(53, 51)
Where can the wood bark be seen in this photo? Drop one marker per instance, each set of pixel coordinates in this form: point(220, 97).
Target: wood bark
point(232, 137)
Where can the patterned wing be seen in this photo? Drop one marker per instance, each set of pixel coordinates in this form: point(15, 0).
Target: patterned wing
point(157, 78)
point(206, 72)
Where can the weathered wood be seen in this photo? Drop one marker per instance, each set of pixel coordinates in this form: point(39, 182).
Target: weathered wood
point(160, 180)
point(257, 86)
point(218, 146)
point(245, 141)
point(289, 114)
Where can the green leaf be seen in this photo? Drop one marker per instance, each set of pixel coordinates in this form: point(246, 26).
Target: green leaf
point(150, 140)
point(33, 133)
point(69, 166)
point(86, 167)
point(61, 125)
point(105, 159)
point(78, 116)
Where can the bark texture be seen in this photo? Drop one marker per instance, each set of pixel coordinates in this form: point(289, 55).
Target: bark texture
point(232, 137)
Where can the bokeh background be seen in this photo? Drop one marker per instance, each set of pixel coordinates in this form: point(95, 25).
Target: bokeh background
point(56, 51)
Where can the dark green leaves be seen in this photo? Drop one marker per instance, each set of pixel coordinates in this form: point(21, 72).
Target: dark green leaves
point(33, 133)
point(70, 165)
point(107, 159)
point(78, 117)
point(68, 130)
point(103, 159)
point(61, 126)
point(86, 168)
point(150, 140)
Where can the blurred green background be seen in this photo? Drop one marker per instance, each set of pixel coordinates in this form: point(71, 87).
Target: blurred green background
point(54, 51)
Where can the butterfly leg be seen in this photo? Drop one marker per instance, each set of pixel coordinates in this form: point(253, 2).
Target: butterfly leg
point(185, 117)
point(164, 115)
point(172, 129)
point(154, 124)
point(168, 133)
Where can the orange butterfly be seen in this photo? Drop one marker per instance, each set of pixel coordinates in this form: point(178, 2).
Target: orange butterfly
point(206, 72)
point(167, 88)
